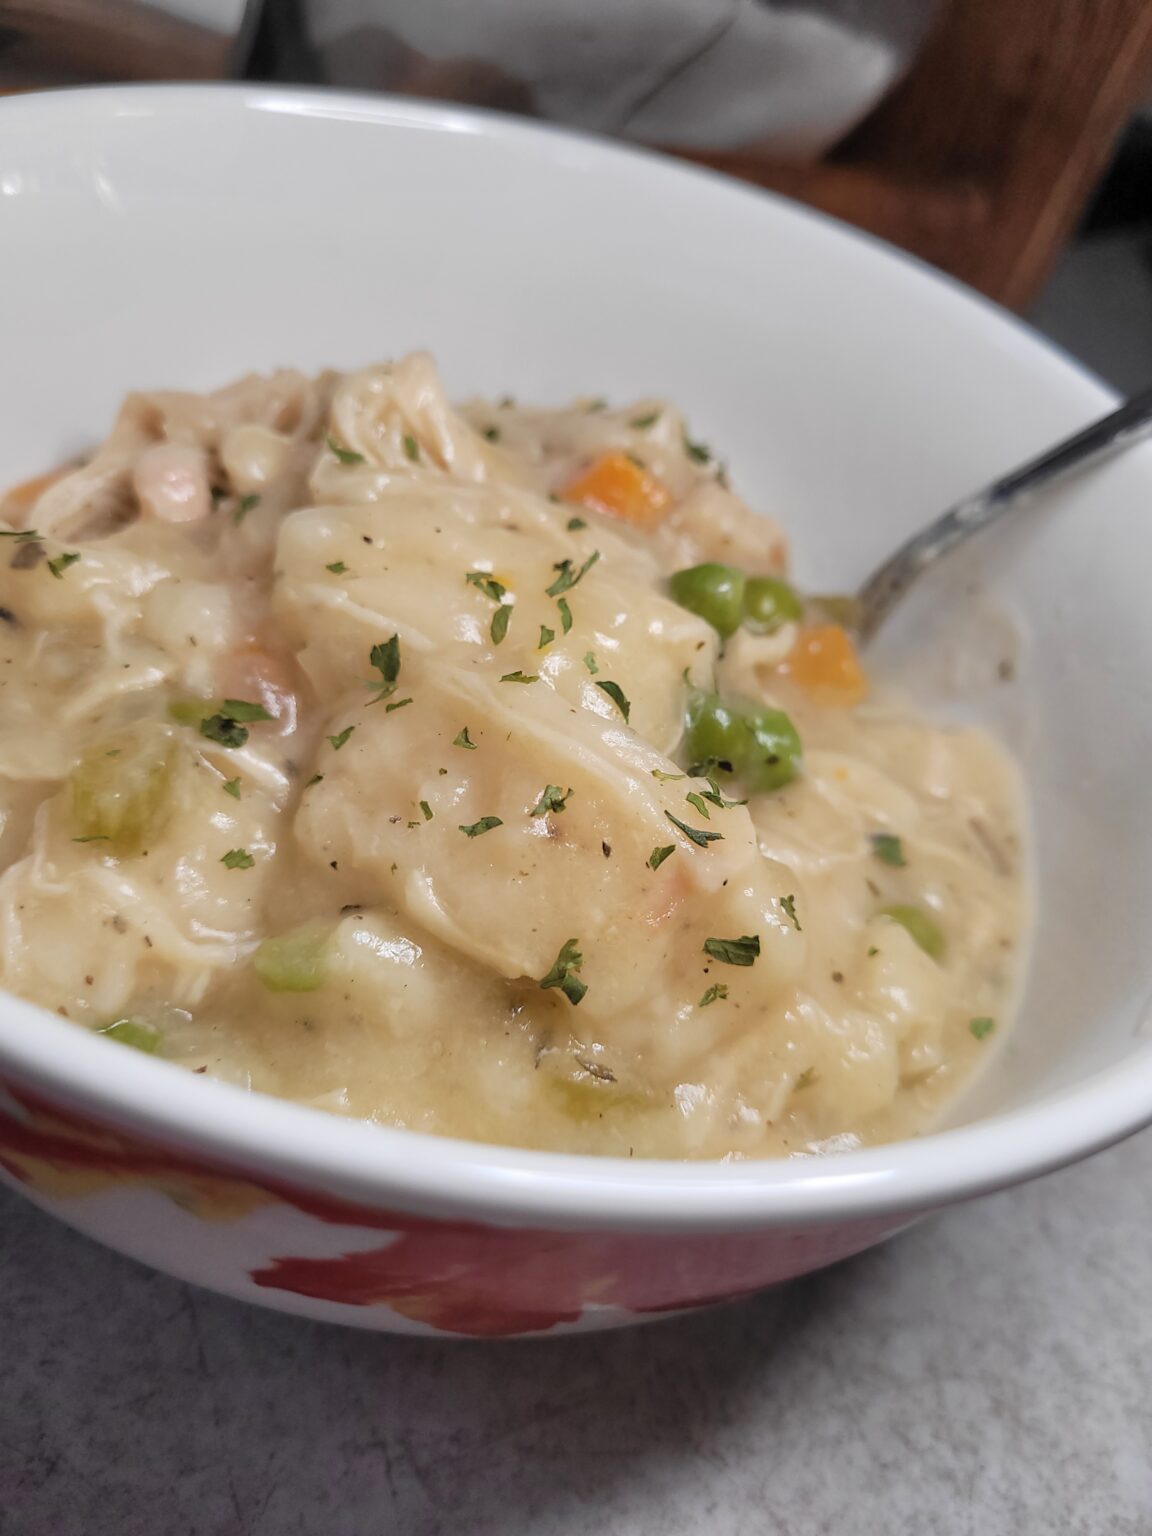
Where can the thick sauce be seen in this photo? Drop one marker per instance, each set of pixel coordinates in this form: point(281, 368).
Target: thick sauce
point(343, 755)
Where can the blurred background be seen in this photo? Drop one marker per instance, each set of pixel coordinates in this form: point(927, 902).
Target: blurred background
point(1008, 142)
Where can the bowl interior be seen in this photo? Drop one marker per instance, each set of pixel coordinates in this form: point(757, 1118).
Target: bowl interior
point(180, 237)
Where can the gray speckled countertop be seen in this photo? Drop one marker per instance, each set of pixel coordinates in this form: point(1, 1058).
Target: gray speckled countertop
point(986, 1374)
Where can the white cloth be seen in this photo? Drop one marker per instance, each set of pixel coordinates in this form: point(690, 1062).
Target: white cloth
point(697, 73)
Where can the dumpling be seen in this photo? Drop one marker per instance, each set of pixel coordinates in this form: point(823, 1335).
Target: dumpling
point(349, 576)
point(454, 831)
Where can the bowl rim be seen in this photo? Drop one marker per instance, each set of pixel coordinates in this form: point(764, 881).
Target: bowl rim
point(383, 1167)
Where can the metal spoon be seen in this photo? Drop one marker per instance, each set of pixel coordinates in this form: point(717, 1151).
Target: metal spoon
point(888, 582)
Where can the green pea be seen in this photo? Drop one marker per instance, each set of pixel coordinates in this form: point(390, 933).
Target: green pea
point(756, 743)
point(771, 760)
point(715, 592)
point(715, 733)
point(769, 603)
point(923, 929)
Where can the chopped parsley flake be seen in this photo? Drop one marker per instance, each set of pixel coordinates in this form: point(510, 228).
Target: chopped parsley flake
point(616, 694)
point(888, 849)
point(500, 620)
point(237, 858)
point(599, 404)
point(697, 801)
point(576, 523)
point(546, 636)
point(345, 455)
point(232, 787)
point(225, 726)
point(427, 810)
point(62, 562)
point(396, 704)
point(337, 567)
point(385, 657)
point(742, 951)
point(565, 614)
point(520, 677)
point(872, 950)
point(553, 799)
point(694, 834)
point(464, 740)
point(21, 535)
point(336, 742)
point(713, 795)
point(246, 505)
point(316, 778)
point(411, 447)
point(699, 453)
point(243, 709)
point(642, 423)
point(658, 855)
point(492, 434)
point(93, 837)
point(596, 1069)
point(715, 994)
point(226, 732)
point(591, 663)
point(485, 582)
point(562, 974)
point(665, 778)
point(789, 905)
point(569, 575)
point(981, 1028)
point(805, 1080)
point(485, 824)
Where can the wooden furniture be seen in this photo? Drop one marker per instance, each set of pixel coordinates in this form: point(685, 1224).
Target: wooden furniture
point(51, 42)
point(982, 158)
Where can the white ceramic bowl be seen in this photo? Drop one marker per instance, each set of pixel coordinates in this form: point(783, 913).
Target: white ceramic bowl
point(179, 236)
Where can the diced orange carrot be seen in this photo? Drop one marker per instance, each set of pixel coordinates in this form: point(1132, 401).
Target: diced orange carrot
point(825, 664)
point(619, 487)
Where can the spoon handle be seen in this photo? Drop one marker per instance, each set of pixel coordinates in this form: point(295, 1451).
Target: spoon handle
point(888, 583)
